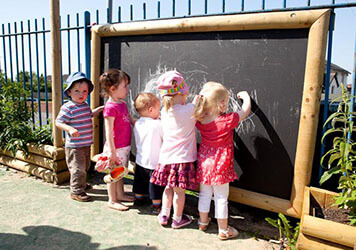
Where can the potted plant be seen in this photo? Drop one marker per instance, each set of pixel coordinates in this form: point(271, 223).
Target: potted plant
point(22, 145)
point(316, 231)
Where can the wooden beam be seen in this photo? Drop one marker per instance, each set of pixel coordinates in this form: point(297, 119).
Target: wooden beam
point(329, 230)
point(262, 201)
point(309, 115)
point(56, 70)
point(306, 242)
point(277, 20)
point(95, 95)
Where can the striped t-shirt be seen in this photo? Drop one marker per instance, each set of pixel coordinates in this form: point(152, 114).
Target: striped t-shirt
point(78, 116)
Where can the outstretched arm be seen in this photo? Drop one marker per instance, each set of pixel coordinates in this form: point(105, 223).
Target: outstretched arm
point(97, 110)
point(246, 105)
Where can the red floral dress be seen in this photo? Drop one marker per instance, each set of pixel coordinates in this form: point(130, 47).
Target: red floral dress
point(216, 152)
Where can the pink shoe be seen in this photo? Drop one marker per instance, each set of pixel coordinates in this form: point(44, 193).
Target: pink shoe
point(186, 220)
point(163, 220)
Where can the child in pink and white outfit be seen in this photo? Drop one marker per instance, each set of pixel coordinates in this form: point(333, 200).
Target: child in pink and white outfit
point(178, 152)
point(216, 157)
point(118, 121)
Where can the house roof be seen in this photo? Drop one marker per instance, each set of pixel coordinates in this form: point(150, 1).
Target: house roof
point(338, 68)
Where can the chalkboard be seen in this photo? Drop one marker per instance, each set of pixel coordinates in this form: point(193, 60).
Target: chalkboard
point(269, 64)
point(277, 57)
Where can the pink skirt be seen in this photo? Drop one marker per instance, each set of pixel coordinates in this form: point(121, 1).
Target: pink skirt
point(180, 175)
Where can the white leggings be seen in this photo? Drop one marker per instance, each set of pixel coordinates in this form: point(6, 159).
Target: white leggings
point(221, 194)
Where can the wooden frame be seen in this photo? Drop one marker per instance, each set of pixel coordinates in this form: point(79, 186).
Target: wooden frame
point(316, 20)
point(316, 233)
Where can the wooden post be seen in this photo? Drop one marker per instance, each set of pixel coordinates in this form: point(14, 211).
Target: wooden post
point(308, 125)
point(95, 95)
point(56, 70)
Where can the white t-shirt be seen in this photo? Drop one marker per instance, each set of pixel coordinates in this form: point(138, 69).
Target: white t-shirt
point(179, 141)
point(148, 138)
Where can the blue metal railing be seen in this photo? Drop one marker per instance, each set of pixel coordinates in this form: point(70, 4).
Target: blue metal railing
point(28, 50)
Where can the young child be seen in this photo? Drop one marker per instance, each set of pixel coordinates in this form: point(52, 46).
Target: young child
point(74, 118)
point(148, 137)
point(215, 157)
point(178, 152)
point(117, 120)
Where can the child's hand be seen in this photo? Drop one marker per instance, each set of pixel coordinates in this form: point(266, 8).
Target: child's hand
point(74, 132)
point(112, 157)
point(246, 105)
point(196, 99)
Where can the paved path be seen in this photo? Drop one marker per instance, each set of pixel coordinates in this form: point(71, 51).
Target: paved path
point(38, 215)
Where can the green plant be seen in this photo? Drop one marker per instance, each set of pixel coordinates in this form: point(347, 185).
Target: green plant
point(16, 128)
point(43, 135)
point(342, 155)
point(288, 235)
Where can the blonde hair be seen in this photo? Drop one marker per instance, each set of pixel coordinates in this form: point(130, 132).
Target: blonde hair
point(144, 101)
point(112, 77)
point(168, 100)
point(211, 97)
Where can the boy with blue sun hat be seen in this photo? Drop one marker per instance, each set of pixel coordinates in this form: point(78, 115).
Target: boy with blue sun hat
point(75, 118)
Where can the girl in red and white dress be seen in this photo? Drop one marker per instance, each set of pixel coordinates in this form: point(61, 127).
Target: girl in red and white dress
point(215, 157)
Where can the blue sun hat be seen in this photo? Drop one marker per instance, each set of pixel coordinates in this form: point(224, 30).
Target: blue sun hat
point(75, 77)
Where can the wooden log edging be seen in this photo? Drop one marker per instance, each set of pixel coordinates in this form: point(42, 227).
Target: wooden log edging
point(329, 230)
point(40, 160)
point(43, 173)
point(306, 242)
point(56, 153)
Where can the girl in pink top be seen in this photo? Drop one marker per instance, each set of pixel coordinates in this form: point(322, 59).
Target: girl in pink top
point(215, 157)
point(178, 152)
point(115, 85)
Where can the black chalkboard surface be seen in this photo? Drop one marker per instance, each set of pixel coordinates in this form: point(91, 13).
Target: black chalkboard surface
point(269, 64)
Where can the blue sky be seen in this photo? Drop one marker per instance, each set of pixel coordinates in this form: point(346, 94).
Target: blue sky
point(23, 10)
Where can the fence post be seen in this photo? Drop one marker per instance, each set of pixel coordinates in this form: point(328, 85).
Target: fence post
point(56, 69)
point(87, 45)
point(109, 11)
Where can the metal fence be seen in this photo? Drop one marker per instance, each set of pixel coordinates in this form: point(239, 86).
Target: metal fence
point(25, 47)
point(26, 58)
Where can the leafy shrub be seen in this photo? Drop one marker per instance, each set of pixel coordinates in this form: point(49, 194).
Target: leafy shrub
point(16, 127)
point(342, 155)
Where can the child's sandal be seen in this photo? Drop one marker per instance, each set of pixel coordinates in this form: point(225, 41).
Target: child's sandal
point(203, 225)
point(229, 233)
